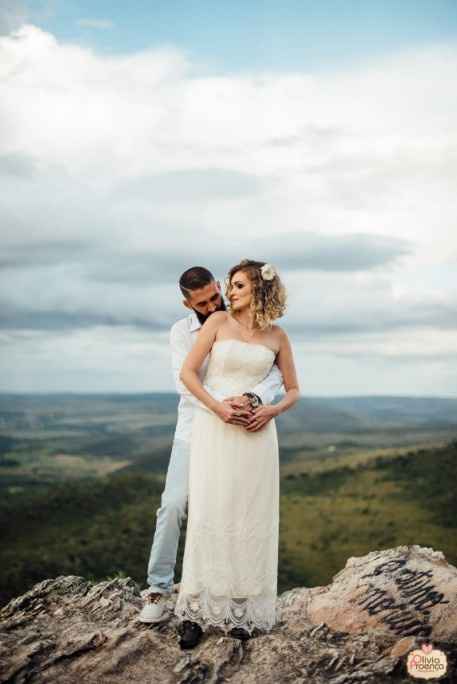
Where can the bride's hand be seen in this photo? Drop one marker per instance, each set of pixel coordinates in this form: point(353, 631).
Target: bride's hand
point(261, 416)
point(239, 401)
point(232, 414)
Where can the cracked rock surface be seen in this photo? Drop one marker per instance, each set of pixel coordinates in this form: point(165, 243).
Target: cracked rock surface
point(359, 628)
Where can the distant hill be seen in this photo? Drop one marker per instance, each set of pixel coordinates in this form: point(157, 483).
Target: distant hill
point(46, 438)
point(314, 414)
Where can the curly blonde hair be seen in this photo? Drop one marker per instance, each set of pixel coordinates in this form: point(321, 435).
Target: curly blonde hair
point(268, 296)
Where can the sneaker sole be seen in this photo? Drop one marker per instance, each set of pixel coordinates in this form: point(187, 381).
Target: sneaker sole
point(152, 620)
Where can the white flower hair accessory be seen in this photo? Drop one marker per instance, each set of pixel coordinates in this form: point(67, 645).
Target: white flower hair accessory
point(268, 272)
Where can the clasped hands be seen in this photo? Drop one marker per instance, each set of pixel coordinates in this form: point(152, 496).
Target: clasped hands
point(238, 411)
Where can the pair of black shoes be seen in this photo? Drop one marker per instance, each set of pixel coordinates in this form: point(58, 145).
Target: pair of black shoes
point(239, 633)
point(191, 634)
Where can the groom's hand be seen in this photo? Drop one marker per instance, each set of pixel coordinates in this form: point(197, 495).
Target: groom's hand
point(239, 401)
point(240, 410)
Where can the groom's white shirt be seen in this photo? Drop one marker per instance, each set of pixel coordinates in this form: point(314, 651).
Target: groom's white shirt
point(183, 335)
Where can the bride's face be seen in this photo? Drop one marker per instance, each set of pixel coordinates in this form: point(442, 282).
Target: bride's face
point(240, 292)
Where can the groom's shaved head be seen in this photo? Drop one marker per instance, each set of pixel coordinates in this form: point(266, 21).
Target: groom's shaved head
point(194, 279)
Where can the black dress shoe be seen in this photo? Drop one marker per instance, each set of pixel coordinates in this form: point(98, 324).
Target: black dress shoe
point(191, 633)
point(239, 633)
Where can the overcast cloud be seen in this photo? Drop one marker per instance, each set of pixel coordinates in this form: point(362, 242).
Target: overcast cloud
point(119, 172)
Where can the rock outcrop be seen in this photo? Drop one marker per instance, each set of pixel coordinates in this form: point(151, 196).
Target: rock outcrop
point(359, 628)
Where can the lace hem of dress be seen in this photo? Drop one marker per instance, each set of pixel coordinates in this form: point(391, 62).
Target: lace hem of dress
point(226, 612)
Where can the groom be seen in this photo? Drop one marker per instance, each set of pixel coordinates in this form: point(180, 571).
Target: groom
point(202, 295)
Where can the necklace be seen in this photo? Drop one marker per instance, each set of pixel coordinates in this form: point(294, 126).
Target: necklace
point(251, 331)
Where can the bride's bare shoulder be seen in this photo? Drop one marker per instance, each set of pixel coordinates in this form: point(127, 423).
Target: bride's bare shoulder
point(279, 332)
point(219, 316)
point(215, 320)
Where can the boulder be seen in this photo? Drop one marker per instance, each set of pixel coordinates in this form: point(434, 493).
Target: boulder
point(406, 591)
point(359, 628)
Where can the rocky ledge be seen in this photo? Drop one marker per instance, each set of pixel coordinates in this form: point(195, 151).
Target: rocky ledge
point(359, 628)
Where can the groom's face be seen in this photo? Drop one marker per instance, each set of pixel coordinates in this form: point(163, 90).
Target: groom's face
point(206, 300)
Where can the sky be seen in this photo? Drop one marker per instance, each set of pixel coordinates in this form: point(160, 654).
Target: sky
point(139, 139)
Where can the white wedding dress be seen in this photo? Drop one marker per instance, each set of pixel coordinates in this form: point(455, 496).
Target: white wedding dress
point(230, 565)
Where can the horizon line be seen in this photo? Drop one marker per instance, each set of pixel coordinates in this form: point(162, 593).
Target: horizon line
point(173, 393)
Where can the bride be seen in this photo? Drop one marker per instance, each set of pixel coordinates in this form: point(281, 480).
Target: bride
point(230, 564)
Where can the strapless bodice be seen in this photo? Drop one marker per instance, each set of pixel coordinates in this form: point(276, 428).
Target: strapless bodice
point(235, 366)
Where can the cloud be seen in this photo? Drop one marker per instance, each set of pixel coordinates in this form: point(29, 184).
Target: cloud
point(102, 24)
point(322, 307)
point(120, 171)
point(190, 186)
point(43, 253)
point(12, 14)
point(174, 249)
point(42, 320)
point(17, 165)
point(177, 250)
point(350, 252)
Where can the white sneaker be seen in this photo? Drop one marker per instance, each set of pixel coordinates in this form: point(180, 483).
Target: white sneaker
point(155, 607)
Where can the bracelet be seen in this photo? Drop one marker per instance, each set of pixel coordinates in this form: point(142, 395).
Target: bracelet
point(254, 399)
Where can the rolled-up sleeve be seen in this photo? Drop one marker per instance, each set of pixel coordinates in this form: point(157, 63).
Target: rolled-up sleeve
point(270, 386)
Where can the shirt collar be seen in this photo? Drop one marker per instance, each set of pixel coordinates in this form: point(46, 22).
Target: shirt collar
point(194, 323)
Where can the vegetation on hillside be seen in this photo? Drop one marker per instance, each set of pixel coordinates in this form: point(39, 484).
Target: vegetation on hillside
point(100, 527)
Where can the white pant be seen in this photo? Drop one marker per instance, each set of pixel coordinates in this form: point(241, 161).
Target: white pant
point(172, 511)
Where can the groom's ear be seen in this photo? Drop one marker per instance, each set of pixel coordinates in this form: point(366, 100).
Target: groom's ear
point(186, 304)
